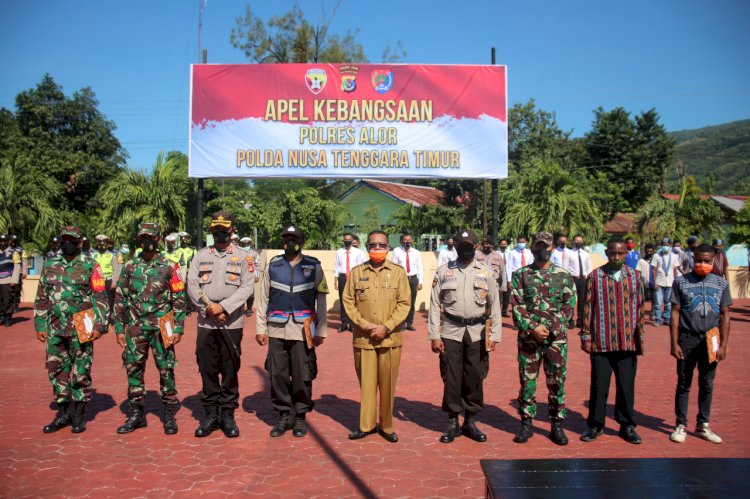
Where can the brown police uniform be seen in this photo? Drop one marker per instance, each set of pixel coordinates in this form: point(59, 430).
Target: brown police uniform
point(380, 297)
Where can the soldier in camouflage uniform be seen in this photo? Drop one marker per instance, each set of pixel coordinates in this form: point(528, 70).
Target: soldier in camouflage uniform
point(149, 288)
point(544, 298)
point(68, 284)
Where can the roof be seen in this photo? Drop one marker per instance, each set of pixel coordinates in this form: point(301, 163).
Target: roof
point(622, 223)
point(734, 203)
point(415, 195)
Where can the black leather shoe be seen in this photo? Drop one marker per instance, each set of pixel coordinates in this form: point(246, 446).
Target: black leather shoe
point(136, 419)
point(410, 327)
point(557, 435)
point(525, 432)
point(170, 423)
point(452, 431)
point(591, 434)
point(300, 428)
point(62, 418)
point(356, 435)
point(282, 425)
point(228, 424)
point(78, 417)
point(628, 434)
point(470, 429)
point(391, 437)
point(210, 424)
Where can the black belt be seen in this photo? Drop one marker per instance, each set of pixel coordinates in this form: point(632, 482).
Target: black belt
point(471, 321)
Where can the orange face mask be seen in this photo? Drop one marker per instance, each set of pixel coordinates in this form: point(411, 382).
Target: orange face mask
point(377, 256)
point(703, 269)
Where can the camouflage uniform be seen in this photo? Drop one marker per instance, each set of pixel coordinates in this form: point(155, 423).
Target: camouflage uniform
point(65, 288)
point(542, 297)
point(146, 292)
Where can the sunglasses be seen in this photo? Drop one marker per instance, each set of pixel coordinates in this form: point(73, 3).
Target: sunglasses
point(377, 245)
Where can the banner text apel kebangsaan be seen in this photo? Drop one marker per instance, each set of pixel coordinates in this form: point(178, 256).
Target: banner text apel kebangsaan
point(348, 120)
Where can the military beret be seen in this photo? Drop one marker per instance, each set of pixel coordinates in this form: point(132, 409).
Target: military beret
point(692, 239)
point(222, 219)
point(71, 231)
point(149, 229)
point(465, 236)
point(542, 236)
point(293, 230)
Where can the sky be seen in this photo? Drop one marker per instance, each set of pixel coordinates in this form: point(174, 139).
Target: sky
point(688, 59)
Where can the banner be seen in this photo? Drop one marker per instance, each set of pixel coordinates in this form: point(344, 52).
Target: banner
point(348, 120)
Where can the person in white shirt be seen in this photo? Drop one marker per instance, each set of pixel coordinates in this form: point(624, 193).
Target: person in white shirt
point(347, 258)
point(411, 260)
point(502, 250)
point(561, 257)
point(519, 257)
point(447, 254)
point(666, 264)
point(579, 266)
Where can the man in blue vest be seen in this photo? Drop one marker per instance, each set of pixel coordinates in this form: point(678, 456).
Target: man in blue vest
point(291, 320)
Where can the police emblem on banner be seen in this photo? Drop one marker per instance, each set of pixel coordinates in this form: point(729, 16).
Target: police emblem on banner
point(382, 81)
point(316, 80)
point(349, 78)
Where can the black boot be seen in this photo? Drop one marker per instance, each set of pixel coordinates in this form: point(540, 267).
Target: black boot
point(525, 432)
point(170, 424)
point(228, 424)
point(282, 425)
point(557, 434)
point(79, 417)
point(452, 431)
point(210, 424)
point(62, 418)
point(470, 429)
point(136, 419)
point(300, 428)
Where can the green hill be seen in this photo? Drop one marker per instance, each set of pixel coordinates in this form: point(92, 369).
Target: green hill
point(721, 151)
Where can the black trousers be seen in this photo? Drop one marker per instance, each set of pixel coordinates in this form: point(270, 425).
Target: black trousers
point(624, 365)
point(292, 367)
point(342, 284)
point(505, 297)
point(16, 291)
point(463, 368)
point(580, 283)
point(6, 300)
point(413, 281)
point(110, 300)
point(216, 354)
point(695, 350)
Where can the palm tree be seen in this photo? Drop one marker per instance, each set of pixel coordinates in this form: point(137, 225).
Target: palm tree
point(133, 197)
point(545, 197)
point(27, 202)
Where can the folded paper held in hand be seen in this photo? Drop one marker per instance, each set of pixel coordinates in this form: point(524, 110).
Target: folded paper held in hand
point(713, 340)
point(84, 325)
point(166, 328)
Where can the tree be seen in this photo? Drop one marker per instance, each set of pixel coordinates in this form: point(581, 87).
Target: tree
point(28, 203)
point(631, 153)
point(133, 197)
point(426, 219)
point(545, 197)
point(692, 215)
point(740, 231)
point(290, 38)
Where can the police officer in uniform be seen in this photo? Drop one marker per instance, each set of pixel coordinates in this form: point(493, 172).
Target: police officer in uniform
point(544, 297)
point(54, 249)
point(24, 259)
point(219, 283)
point(292, 295)
point(10, 271)
point(187, 251)
point(463, 291)
point(246, 244)
point(172, 254)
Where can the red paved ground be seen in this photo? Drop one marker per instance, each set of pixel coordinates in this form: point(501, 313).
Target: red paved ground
point(147, 463)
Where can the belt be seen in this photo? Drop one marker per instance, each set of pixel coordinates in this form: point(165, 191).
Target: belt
point(471, 321)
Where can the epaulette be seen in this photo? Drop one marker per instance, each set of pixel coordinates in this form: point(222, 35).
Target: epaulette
point(453, 264)
point(277, 257)
point(310, 259)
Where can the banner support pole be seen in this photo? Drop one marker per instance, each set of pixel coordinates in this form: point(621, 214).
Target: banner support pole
point(199, 208)
point(494, 188)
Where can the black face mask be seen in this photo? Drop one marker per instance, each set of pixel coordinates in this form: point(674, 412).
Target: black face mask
point(578, 245)
point(486, 251)
point(291, 247)
point(407, 246)
point(542, 254)
point(69, 248)
point(347, 244)
point(147, 244)
point(465, 253)
point(503, 248)
point(221, 236)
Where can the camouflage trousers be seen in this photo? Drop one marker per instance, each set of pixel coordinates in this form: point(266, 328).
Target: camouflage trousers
point(531, 356)
point(137, 343)
point(69, 368)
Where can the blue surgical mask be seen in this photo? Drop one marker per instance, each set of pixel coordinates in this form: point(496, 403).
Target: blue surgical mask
point(665, 249)
point(521, 246)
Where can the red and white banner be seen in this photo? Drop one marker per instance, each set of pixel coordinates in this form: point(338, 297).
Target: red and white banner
point(348, 120)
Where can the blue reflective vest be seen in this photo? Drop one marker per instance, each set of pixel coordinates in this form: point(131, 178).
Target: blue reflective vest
point(292, 289)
